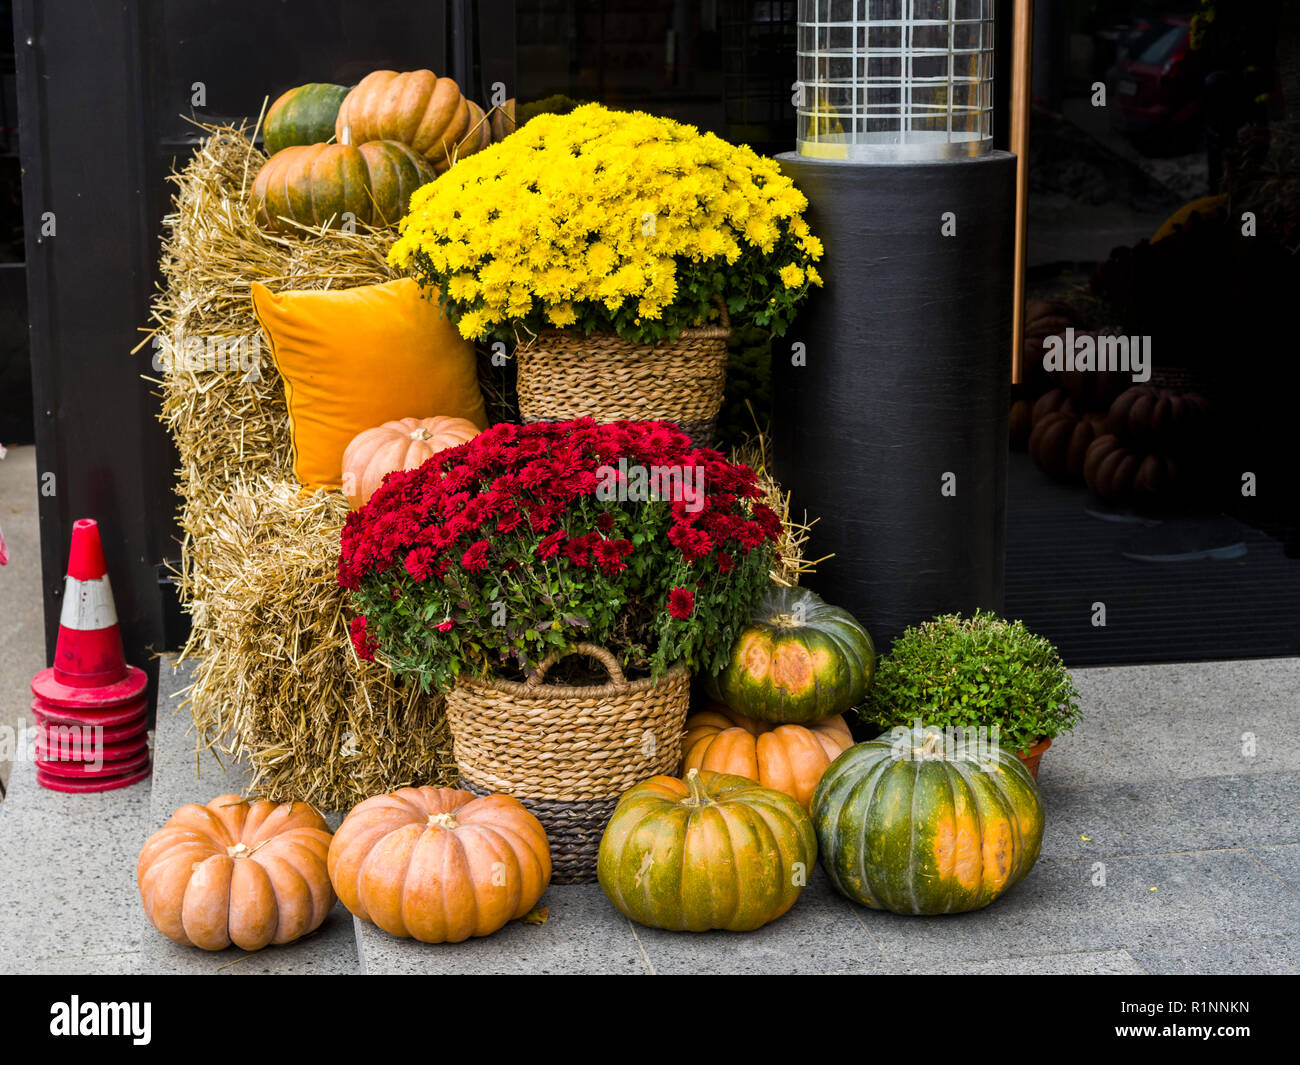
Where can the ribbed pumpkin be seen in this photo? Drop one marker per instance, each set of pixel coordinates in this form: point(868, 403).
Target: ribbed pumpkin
point(438, 864)
point(302, 115)
point(237, 872)
point(1119, 474)
point(1059, 442)
point(1159, 419)
point(903, 828)
point(314, 183)
point(787, 758)
point(799, 660)
point(710, 851)
point(417, 108)
point(399, 445)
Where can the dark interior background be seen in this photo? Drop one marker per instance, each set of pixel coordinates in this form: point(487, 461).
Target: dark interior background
point(99, 89)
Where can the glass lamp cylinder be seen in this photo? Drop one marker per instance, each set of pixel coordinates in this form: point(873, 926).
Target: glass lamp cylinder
point(895, 80)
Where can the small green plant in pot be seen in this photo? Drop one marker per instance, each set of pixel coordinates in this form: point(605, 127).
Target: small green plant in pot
point(967, 672)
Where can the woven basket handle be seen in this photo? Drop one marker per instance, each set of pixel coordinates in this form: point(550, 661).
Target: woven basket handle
point(590, 650)
point(722, 308)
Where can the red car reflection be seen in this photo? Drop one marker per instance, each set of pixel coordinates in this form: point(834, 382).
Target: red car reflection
point(1157, 98)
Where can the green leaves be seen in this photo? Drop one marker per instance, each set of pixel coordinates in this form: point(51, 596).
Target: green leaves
point(981, 670)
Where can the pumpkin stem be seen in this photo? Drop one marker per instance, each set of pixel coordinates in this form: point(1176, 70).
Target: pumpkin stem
point(931, 745)
point(699, 796)
point(447, 820)
point(239, 850)
point(421, 434)
point(346, 138)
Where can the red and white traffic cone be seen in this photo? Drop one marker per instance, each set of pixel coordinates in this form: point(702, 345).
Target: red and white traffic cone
point(90, 706)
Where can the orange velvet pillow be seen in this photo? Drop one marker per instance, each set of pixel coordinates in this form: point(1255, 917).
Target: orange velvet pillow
point(354, 358)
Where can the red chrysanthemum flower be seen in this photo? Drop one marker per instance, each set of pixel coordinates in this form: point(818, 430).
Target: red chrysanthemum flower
point(475, 559)
point(681, 603)
point(550, 545)
point(365, 646)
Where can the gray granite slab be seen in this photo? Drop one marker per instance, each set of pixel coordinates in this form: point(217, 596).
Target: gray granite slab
point(1153, 816)
point(820, 934)
point(67, 875)
point(1146, 902)
point(1086, 963)
point(1270, 957)
point(182, 774)
point(330, 950)
point(1284, 861)
point(123, 964)
point(181, 777)
point(1178, 722)
point(583, 934)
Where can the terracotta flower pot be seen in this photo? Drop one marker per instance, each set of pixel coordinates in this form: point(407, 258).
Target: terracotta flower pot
point(1034, 755)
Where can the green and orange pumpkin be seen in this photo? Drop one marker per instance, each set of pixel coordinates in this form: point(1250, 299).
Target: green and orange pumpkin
point(304, 114)
point(318, 183)
point(905, 826)
point(711, 851)
point(799, 660)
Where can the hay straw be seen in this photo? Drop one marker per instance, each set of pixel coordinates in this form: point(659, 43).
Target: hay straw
point(790, 563)
point(277, 680)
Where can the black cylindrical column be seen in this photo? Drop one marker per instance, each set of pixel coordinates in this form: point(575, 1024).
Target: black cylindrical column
point(891, 391)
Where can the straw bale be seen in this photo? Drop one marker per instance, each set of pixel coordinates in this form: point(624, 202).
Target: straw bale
point(276, 680)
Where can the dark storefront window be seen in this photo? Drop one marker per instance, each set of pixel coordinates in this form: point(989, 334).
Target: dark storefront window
point(1164, 206)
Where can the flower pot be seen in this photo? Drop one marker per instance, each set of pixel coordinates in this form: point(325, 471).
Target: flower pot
point(1034, 755)
point(568, 752)
point(564, 374)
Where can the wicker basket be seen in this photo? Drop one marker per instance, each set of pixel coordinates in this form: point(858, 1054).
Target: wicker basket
point(568, 753)
point(564, 374)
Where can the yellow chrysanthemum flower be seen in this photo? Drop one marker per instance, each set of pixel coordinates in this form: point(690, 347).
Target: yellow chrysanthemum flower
point(579, 215)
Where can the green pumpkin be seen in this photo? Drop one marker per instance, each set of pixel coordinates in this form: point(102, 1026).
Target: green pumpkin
point(711, 851)
point(907, 828)
point(303, 115)
point(799, 660)
point(314, 183)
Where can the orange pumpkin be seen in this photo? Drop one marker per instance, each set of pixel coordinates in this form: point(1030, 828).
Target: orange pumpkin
point(786, 758)
point(400, 445)
point(438, 864)
point(237, 872)
point(419, 109)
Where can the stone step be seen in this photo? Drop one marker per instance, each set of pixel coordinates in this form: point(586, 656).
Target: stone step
point(180, 777)
point(68, 901)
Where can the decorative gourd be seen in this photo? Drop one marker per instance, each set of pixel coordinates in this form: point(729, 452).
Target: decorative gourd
point(419, 109)
point(710, 851)
point(438, 864)
point(1056, 401)
point(399, 445)
point(799, 660)
point(317, 183)
point(903, 828)
point(1158, 419)
point(787, 758)
point(1059, 442)
point(303, 115)
point(237, 872)
point(1116, 473)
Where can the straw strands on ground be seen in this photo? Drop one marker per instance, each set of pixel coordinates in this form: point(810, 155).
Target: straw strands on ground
point(277, 680)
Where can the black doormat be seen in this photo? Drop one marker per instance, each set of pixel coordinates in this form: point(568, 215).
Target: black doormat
point(1190, 588)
